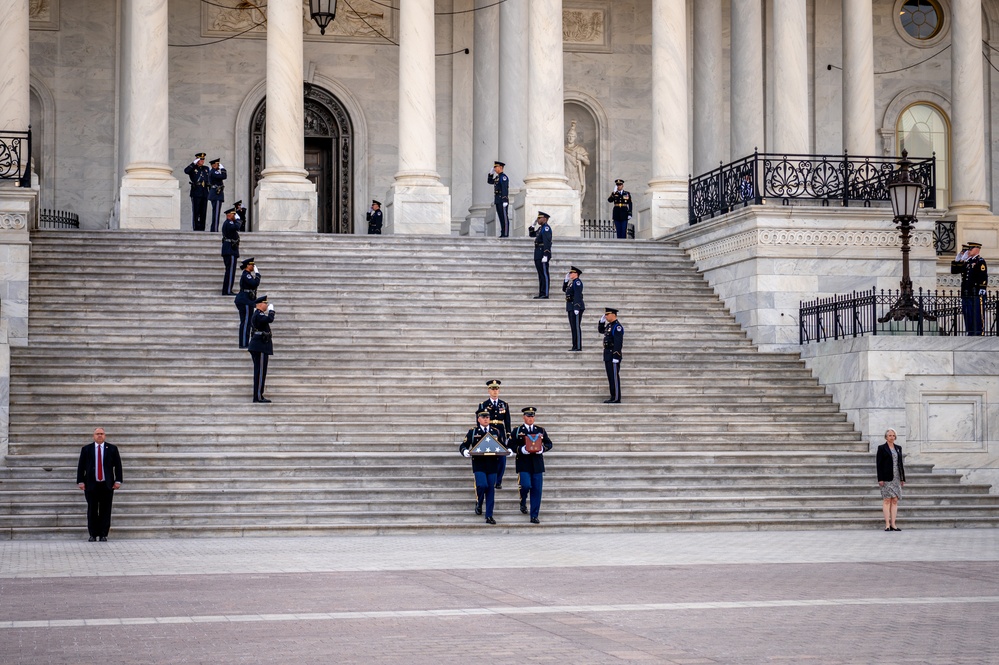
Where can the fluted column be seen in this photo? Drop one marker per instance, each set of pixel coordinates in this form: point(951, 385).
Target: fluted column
point(417, 202)
point(545, 185)
point(858, 78)
point(286, 199)
point(708, 92)
point(791, 111)
point(746, 101)
point(968, 187)
point(513, 80)
point(485, 113)
point(150, 195)
point(666, 207)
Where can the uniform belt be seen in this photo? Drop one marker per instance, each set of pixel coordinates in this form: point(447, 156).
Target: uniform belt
point(620, 205)
point(495, 422)
point(230, 240)
point(252, 293)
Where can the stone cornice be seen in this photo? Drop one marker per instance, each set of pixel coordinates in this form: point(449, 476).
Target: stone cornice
point(805, 238)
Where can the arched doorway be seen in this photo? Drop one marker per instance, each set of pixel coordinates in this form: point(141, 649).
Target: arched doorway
point(924, 131)
point(329, 156)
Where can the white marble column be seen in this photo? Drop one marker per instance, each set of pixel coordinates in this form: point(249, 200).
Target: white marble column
point(791, 111)
point(708, 92)
point(513, 78)
point(149, 197)
point(545, 186)
point(746, 100)
point(417, 201)
point(858, 78)
point(968, 186)
point(666, 206)
point(485, 116)
point(286, 199)
point(18, 205)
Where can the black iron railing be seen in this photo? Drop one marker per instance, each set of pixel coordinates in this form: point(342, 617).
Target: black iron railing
point(15, 157)
point(58, 219)
point(763, 177)
point(945, 237)
point(857, 314)
point(602, 228)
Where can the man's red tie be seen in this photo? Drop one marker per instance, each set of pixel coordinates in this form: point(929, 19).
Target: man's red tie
point(100, 463)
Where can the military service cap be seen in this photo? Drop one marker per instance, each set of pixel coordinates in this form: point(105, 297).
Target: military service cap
point(973, 245)
point(376, 203)
point(544, 214)
point(482, 414)
point(246, 262)
point(619, 182)
point(260, 299)
point(200, 155)
point(529, 410)
point(494, 383)
point(216, 160)
point(498, 164)
point(610, 310)
point(230, 211)
point(238, 203)
point(575, 270)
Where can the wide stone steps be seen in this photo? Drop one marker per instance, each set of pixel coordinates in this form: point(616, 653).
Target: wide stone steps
point(383, 346)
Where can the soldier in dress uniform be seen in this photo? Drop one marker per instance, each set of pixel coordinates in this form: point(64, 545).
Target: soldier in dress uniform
point(246, 299)
point(260, 346)
point(216, 190)
point(499, 417)
point(621, 211)
point(501, 197)
point(484, 467)
point(531, 461)
point(198, 174)
point(974, 286)
point(572, 286)
point(230, 249)
point(542, 252)
point(374, 218)
point(242, 215)
point(613, 333)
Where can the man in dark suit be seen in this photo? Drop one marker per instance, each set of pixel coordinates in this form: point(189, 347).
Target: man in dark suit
point(260, 346)
point(531, 442)
point(200, 181)
point(98, 474)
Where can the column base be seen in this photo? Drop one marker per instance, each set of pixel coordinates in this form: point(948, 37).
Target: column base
point(665, 209)
point(480, 221)
point(418, 209)
point(561, 203)
point(286, 204)
point(149, 204)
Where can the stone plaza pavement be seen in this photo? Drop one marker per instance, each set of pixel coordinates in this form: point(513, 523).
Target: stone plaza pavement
point(916, 596)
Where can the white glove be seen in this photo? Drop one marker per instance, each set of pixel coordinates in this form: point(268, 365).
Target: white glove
point(195, 162)
point(576, 312)
point(221, 168)
point(255, 271)
point(629, 218)
point(506, 204)
point(615, 361)
point(465, 453)
point(270, 308)
point(544, 259)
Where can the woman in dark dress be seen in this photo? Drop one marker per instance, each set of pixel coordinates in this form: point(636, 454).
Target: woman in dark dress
point(891, 478)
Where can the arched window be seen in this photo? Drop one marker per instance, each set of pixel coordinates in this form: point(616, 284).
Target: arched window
point(923, 130)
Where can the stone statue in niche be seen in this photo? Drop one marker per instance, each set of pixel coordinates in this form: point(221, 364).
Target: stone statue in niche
point(576, 160)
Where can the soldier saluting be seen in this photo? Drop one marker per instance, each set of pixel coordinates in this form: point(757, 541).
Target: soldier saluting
point(974, 284)
point(621, 212)
point(501, 197)
point(542, 252)
point(198, 174)
point(572, 286)
point(374, 218)
point(613, 333)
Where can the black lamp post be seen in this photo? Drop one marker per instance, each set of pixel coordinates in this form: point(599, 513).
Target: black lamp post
point(323, 13)
point(904, 193)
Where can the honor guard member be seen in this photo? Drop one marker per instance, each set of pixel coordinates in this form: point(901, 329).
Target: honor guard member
point(613, 333)
point(246, 299)
point(621, 212)
point(198, 173)
point(974, 284)
point(501, 197)
point(484, 467)
point(542, 252)
point(242, 214)
point(260, 346)
point(216, 190)
point(499, 417)
point(374, 218)
point(531, 442)
point(230, 249)
point(572, 286)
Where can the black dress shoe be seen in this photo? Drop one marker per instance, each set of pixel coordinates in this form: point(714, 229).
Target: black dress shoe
point(478, 509)
point(103, 539)
point(895, 528)
point(535, 520)
point(92, 539)
point(264, 400)
point(499, 487)
point(541, 297)
point(490, 520)
point(887, 528)
point(523, 507)
point(612, 401)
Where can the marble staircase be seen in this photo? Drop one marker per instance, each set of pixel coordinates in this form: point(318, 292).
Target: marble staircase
point(383, 346)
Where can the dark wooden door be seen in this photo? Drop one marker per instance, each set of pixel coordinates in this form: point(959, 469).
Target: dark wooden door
point(318, 162)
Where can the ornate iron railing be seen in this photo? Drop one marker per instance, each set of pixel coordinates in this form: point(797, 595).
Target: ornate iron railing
point(602, 228)
point(945, 237)
point(58, 219)
point(15, 157)
point(857, 314)
point(765, 176)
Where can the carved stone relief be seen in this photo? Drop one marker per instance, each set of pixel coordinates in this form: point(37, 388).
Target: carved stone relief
point(43, 14)
point(585, 29)
point(362, 21)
